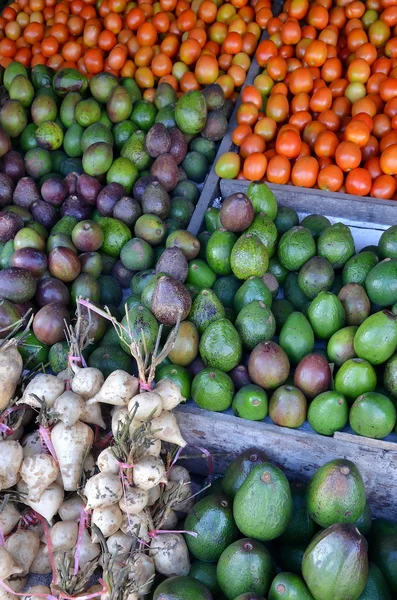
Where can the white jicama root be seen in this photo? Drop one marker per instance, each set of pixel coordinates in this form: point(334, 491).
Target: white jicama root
point(9, 517)
point(170, 392)
point(23, 546)
point(31, 593)
point(88, 549)
point(89, 466)
point(63, 536)
point(11, 366)
point(49, 503)
point(41, 564)
point(136, 526)
point(8, 566)
point(145, 405)
point(68, 407)
point(119, 417)
point(166, 429)
point(119, 543)
point(71, 508)
point(154, 448)
point(11, 454)
point(104, 489)
point(170, 554)
point(46, 387)
point(107, 462)
point(179, 475)
point(143, 572)
point(107, 519)
point(148, 472)
point(86, 382)
point(64, 375)
point(17, 582)
point(170, 521)
point(134, 500)
point(4, 595)
point(38, 472)
point(117, 390)
point(92, 414)
point(31, 444)
point(71, 445)
point(153, 495)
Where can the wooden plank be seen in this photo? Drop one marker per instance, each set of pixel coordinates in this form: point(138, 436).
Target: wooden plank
point(299, 453)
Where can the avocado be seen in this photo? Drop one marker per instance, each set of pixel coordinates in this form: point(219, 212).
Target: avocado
point(288, 407)
point(336, 244)
point(355, 377)
point(291, 556)
point(250, 402)
point(170, 301)
point(185, 348)
point(295, 248)
point(255, 323)
point(317, 275)
point(294, 294)
point(155, 200)
point(191, 112)
point(316, 224)
point(254, 288)
point(262, 198)
point(245, 565)
point(301, 527)
point(357, 267)
point(137, 255)
point(226, 288)
point(376, 587)
point(206, 573)
point(200, 274)
point(239, 469)
point(381, 283)
point(289, 586)
point(263, 504)
point(213, 389)
point(220, 345)
point(373, 415)
point(340, 346)
point(281, 310)
point(237, 212)
point(263, 227)
point(383, 554)
point(182, 588)
point(376, 338)
point(388, 243)
point(174, 263)
point(212, 520)
point(249, 257)
point(178, 375)
point(286, 219)
point(326, 315)
point(335, 564)
point(219, 250)
point(206, 309)
point(355, 303)
point(328, 412)
point(139, 325)
point(390, 376)
point(110, 358)
point(211, 218)
point(296, 337)
point(336, 493)
point(186, 241)
point(268, 365)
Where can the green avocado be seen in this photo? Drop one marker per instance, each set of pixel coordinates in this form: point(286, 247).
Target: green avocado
point(296, 337)
point(220, 345)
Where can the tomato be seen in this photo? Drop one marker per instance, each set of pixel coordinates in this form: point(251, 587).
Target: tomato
point(370, 149)
point(277, 108)
point(330, 119)
point(228, 165)
point(278, 169)
point(300, 102)
point(305, 171)
point(250, 94)
point(318, 16)
point(290, 32)
point(321, 100)
point(326, 144)
point(266, 128)
point(381, 125)
point(190, 51)
point(288, 143)
point(300, 119)
point(330, 178)
point(206, 70)
point(358, 182)
point(378, 33)
point(266, 49)
point(316, 53)
point(301, 80)
point(247, 114)
point(358, 132)
point(312, 131)
point(277, 68)
point(254, 167)
point(348, 156)
point(384, 187)
point(240, 133)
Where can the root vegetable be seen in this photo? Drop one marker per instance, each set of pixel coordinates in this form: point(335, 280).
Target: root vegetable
point(154, 448)
point(63, 536)
point(166, 429)
point(176, 476)
point(107, 462)
point(9, 517)
point(119, 417)
point(148, 472)
point(45, 387)
point(11, 366)
point(143, 572)
point(18, 434)
point(50, 501)
point(86, 382)
point(70, 509)
point(69, 407)
point(89, 466)
point(11, 458)
point(170, 554)
point(88, 549)
point(38, 472)
point(8, 566)
point(107, 519)
point(36, 589)
point(119, 543)
point(92, 414)
point(104, 489)
point(134, 500)
point(136, 526)
point(17, 582)
point(153, 495)
point(170, 393)
point(71, 445)
point(23, 546)
point(64, 375)
point(4, 595)
point(145, 405)
point(170, 521)
point(118, 389)
point(41, 564)
point(31, 444)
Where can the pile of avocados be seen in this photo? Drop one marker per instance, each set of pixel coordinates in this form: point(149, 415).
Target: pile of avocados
point(256, 536)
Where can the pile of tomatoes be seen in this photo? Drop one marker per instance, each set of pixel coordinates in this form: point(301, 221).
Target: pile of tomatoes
point(188, 44)
point(323, 113)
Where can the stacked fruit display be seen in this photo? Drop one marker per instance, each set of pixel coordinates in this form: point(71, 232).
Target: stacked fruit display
point(322, 112)
point(188, 45)
point(254, 524)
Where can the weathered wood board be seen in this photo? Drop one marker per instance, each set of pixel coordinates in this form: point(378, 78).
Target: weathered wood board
point(299, 453)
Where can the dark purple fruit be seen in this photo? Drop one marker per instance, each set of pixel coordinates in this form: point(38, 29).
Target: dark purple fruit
point(7, 187)
point(75, 207)
point(268, 365)
point(17, 285)
point(30, 259)
point(25, 310)
point(237, 212)
point(166, 172)
point(71, 182)
point(196, 366)
point(141, 185)
point(51, 290)
point(97, 324)
point(240, 376)
point(122, 274)
point(91, 263)
point(158, 140)
point(13, 165)
point(54, 191)
point(26, 192)
point(178, 148)
point(9, 315)
point(88, 188)
point(87, 236)
point(64, 264)
point(127, 210)
point(10, 224)
point(49, 323)
point(170, 299)
point(108, 197)
point(155, 200)
point(313, 375)
point(44, 213)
